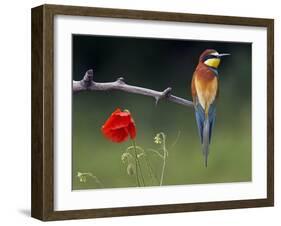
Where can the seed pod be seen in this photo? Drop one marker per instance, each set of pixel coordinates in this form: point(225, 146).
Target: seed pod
point(131, 169)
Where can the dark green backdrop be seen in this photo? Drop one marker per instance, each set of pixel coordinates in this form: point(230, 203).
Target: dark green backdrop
point(158, 64)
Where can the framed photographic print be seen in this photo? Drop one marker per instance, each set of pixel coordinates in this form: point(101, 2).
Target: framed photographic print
point(141, 112)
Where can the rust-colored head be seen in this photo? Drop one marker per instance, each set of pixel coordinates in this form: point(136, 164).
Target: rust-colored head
point(207, 53)
point(211, 57)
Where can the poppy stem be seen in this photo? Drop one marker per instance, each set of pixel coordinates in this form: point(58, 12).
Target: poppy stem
point(151, 173)
point(165, 153)
point(138, 164)
point(137, 168)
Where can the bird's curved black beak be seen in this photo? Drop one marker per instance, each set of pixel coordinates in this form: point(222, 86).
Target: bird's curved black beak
point(223, 54)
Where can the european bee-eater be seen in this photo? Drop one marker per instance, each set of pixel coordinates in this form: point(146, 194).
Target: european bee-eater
point(204, 88)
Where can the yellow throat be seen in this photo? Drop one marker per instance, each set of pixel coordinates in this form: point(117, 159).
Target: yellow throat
point(213, 62)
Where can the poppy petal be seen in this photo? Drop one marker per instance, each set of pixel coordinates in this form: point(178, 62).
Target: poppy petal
point(118, 120)
point(119, 126)
point(117, 135)
point(132, 130)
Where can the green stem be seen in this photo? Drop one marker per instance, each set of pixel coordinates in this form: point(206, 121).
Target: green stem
point(137, 162)
point(95, 178)
point(147, 162)
point(151, 173)
point(164, 158)
point(137, 168)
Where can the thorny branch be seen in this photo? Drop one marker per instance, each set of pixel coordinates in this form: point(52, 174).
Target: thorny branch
point(88, 83)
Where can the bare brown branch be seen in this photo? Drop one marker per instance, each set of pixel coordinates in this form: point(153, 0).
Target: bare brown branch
point(88, 84)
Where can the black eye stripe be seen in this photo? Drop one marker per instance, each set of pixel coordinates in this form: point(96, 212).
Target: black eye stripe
point(210, 57)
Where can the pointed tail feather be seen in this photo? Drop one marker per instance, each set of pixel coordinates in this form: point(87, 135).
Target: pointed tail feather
point(205, 125)
point(200, 118)
point(206, 140)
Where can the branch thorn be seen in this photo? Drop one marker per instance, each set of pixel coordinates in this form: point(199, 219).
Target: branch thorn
point(88, 78)
point(166, 93)
point(120, 80)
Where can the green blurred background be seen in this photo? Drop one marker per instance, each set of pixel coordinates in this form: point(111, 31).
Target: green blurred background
point(158, 64)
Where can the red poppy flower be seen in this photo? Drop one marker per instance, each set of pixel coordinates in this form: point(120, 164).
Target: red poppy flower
point(119, 126)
